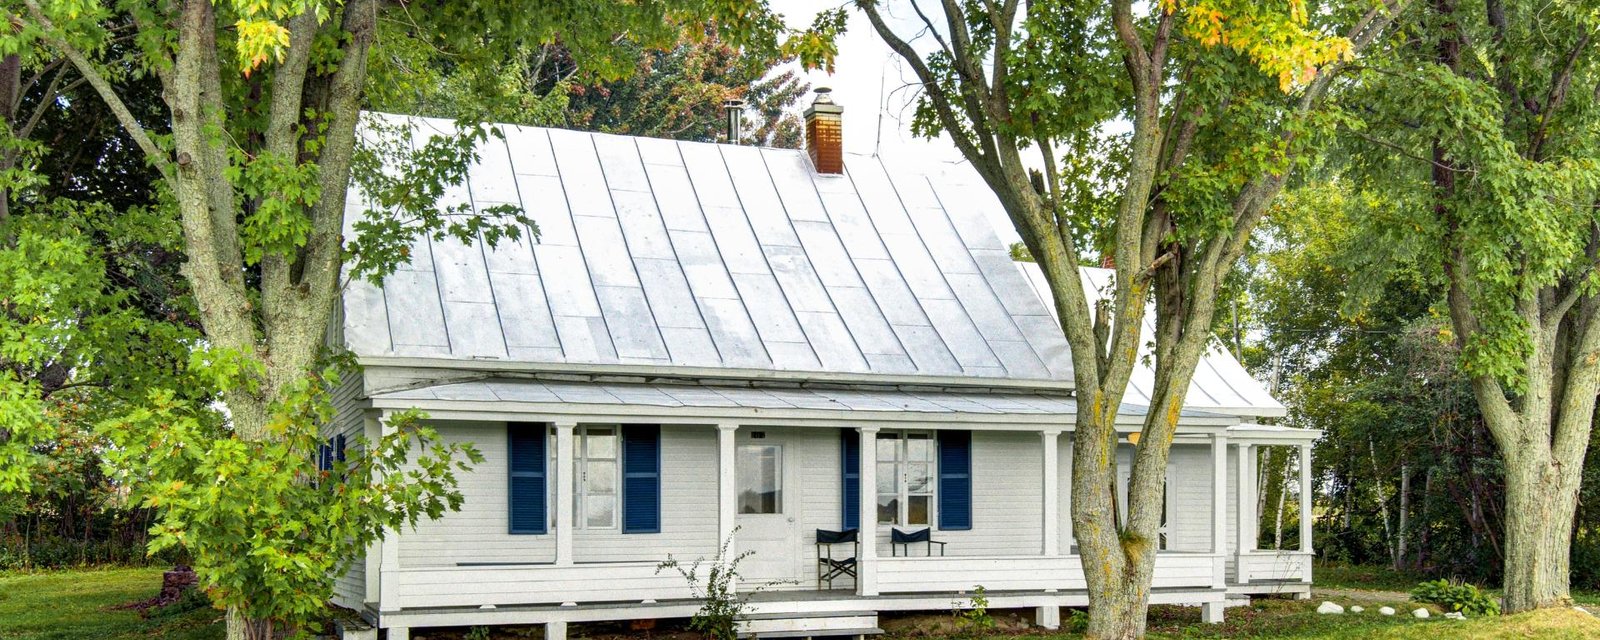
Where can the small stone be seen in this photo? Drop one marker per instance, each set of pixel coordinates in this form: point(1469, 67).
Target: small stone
point(1329, 607)
point(1456, 615)
point(1388, 611)
point(1356, 609)
point(1420, 613)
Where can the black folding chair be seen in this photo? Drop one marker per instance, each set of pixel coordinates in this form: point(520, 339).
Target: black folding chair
point(830, 568)
point(904, 539)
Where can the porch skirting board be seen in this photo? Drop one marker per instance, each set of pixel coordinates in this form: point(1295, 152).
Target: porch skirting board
point(767, 603)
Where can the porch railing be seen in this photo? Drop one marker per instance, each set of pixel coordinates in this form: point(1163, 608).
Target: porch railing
point(1258, 566)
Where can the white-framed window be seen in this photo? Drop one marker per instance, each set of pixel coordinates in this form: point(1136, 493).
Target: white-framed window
point(906, 477)
point(596, 474)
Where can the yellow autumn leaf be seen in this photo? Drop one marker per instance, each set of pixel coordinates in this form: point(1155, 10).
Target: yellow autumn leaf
point(260, 40)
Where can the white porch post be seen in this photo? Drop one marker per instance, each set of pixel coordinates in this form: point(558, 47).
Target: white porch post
point(389, 548)
point(1052, 491)
point(1305, 503)
point(565, 481)
point(726, 493)
point(1245, 511)
point(1219, 507)
point(372, 430)
point(1049, 616)
point(1069, 533)
point(866, 560)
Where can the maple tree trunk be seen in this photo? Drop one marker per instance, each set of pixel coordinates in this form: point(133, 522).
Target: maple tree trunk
point(1540, 503)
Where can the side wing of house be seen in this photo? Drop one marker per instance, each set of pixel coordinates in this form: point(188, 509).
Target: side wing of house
point(341, 438)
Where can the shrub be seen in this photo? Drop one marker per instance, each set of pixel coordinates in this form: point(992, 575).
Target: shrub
point(718, 617)
point(1457, 596)
point(975, 620)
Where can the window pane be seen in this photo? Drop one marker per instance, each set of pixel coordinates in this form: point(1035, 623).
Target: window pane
point(601, 443)
point(601, 477)
point(917, 509)
point(917, 478)
point(888, 474)
point(888, 508)
point(600, 511)
point(760, 478)
point(919, 447)
point(888, 446)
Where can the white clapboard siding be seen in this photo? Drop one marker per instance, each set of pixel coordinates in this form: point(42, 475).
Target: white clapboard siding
point(478, 586)
point(1007, 498)
point(480, 531)
point(350, 588)
point(820, 489)
point(1190, 487)
point(688, 506)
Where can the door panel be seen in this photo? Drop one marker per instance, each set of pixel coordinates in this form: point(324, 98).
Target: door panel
point(767, 503)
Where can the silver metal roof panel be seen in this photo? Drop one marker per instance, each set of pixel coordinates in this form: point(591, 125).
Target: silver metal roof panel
point(662, 253)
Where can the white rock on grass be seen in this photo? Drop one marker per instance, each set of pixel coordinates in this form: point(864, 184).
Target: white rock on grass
point(1329, 607)
point(1456, 615)
point(1356, 609)
point(1388, 611)
point(1420, 613)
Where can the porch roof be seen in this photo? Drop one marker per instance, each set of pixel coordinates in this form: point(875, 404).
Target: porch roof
point(1253, 433)
point(688, 402)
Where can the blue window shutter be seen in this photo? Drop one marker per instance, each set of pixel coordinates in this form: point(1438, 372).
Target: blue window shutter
point(955, 480)
point(641, 478)
point(526, 445)
point(338, 447)
point(850, 462)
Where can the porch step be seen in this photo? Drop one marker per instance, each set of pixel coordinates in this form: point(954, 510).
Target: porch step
point(805, 625)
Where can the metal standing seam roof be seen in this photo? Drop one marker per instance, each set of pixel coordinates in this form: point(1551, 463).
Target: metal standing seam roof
point(1220, 384)
point(657, 253)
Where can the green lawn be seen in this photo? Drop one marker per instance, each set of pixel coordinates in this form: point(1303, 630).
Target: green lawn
point(68, 605)
point(1299, 619)
point(76, 604)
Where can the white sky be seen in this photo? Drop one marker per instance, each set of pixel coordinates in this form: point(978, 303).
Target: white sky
point(869, 80)
point(877, 89)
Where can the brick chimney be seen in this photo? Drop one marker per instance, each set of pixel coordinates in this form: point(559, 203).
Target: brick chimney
point(824, 134)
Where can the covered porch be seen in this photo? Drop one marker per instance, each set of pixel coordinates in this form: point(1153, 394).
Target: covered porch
point(762, 467)
point(1253, 570)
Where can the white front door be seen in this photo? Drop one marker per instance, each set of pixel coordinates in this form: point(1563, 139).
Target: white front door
point(766, 504)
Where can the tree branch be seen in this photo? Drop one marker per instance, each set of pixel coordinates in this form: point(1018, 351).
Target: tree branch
point(107, 93)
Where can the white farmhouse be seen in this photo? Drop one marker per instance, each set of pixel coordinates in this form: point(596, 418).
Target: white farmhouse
point(782, 348)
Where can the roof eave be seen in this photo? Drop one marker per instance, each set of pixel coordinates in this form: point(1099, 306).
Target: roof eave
point(720, 373)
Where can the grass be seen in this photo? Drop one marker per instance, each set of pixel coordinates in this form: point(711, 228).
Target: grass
point(63, 605)
point(1378, 578)
point(76, 604)
point(1366, 578)
point(1299, 619)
